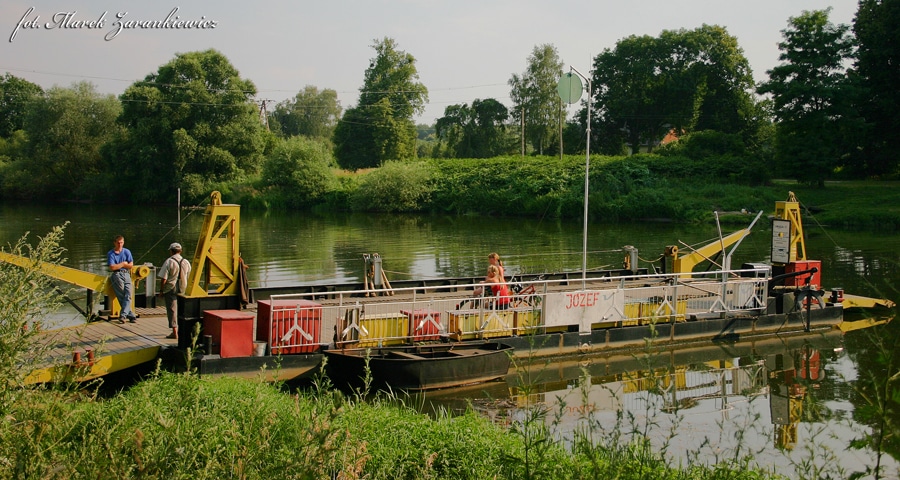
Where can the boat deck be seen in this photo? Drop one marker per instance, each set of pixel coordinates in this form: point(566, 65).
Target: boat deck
point(606, 314)
point(112, 346)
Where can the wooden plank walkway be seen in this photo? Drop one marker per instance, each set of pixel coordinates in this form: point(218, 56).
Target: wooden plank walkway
point(115, 347)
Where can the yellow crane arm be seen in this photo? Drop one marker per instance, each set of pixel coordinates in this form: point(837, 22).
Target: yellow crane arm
point(687, 262)
point(80, 278)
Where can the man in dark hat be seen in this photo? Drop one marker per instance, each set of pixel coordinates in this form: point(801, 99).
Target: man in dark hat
point(173, 277)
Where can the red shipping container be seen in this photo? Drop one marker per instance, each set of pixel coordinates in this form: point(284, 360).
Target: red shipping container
point(800, 280)
point(424, 325)
point(289, 326)
point(231, 331)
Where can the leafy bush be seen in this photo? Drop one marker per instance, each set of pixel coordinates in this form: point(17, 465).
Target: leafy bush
point(395, 187)
point(709, 155)
point(509, 185)
point(298, 172)
point(705, 145)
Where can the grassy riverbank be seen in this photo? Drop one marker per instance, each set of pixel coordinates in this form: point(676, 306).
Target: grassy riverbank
point(178, 426)
point(850, 205)
point(622, 189)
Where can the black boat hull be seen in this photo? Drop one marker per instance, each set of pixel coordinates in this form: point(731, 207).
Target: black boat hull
point(285, 368)
point(424, 367)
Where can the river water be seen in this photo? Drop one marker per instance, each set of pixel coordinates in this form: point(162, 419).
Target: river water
point(793, 405)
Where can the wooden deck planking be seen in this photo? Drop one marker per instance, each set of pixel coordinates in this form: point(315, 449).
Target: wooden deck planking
point(116, 346)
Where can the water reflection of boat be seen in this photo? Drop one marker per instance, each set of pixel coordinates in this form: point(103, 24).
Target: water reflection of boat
point(421, 367)
point(678, 380)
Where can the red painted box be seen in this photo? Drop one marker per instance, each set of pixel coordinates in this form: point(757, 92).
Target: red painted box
point(289, 326)
point(231, 331)
point(800, 280)
point(424, 325)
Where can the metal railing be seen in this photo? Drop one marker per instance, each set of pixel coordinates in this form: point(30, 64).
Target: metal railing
point(293, 323)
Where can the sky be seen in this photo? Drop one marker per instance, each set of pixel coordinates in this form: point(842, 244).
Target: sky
point(464, 49)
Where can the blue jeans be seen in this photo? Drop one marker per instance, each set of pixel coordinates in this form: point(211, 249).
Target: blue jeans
point(121, 282)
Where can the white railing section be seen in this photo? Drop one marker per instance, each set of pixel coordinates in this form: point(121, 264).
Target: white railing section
point(298, 323)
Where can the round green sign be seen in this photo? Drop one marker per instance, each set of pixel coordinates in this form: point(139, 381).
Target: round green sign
point(569, 88)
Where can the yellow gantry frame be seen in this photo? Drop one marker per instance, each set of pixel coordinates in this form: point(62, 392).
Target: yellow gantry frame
point(216, 261)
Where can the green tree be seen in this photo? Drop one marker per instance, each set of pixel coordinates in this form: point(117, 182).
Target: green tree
point(629, 84)
point(534, 96)
point(682, 81)
point(426, 141)
point(812, 96)
point(354, 143)
point(311, 112)
point(451, 129)
point(380, 127)
point(717, 63)
point(878, 58)
point(476, 132)
point(425, 132)
point(15, 93)
point(65, 130)
point(11, 171)
point(191, 124)
point(299, 171)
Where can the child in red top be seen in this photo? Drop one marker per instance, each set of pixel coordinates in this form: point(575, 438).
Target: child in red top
point(498, 288)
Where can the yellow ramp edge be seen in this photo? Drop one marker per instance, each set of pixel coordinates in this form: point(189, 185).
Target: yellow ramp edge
point(103, 365)
point(857, 301)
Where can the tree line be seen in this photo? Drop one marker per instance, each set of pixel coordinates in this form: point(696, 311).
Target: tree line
point(826, 111)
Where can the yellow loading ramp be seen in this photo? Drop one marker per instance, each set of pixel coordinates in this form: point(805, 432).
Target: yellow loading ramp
point(86, 352)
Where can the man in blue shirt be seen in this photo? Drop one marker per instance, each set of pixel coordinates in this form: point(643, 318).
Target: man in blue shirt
point(121, 263)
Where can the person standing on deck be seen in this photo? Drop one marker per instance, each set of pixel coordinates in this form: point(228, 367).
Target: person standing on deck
point(120, 264)
point(173, 276)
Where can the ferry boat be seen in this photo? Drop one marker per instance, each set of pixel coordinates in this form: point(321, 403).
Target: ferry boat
point(233, 330)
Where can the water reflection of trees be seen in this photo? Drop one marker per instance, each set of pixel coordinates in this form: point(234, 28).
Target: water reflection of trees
point(876, 391)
